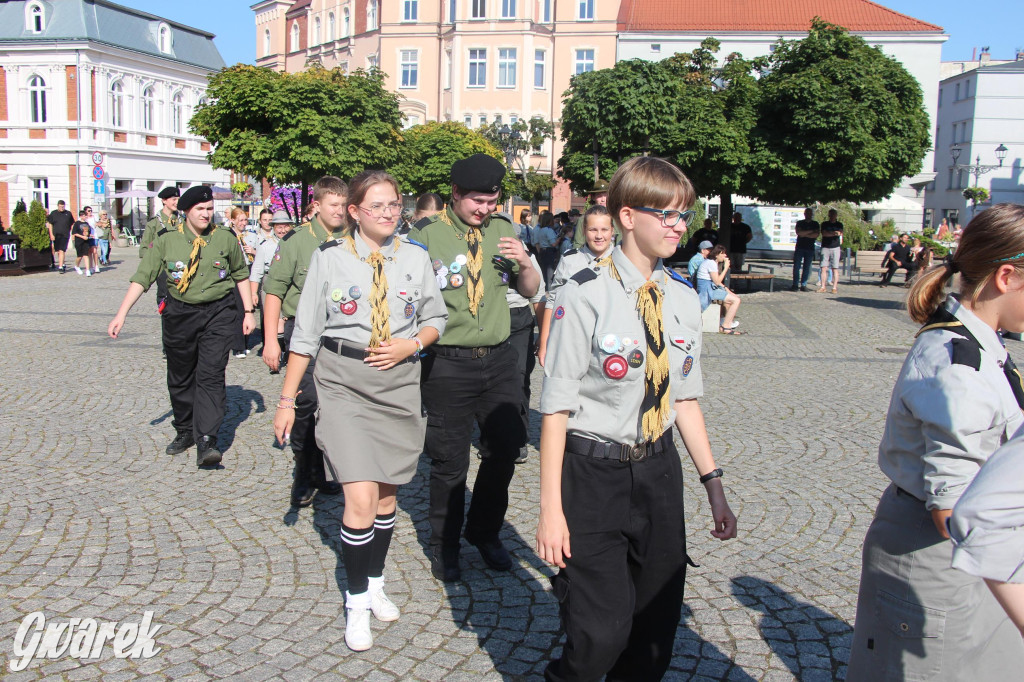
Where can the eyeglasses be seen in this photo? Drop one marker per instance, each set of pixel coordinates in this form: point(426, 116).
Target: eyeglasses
point(668, 218)
point(378, 210)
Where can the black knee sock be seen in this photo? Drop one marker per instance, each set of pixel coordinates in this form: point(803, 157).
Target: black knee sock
point(356, 549)
point(383, 528)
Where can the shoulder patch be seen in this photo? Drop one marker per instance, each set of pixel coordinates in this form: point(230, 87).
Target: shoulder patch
point(966, 352)
point(422, 222)
point(583, 276)
point(679, 278)
point(328, 244)
point(291, 233)
point(570, 252)
point(410, 240)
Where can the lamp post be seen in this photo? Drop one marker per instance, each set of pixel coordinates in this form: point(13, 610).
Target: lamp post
point(513, 144)
point(977, 169)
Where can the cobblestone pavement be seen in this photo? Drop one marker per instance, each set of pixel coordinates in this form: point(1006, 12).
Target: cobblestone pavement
point(96, 521)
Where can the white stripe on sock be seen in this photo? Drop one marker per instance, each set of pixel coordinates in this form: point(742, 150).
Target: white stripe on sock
point(388, 523)
point(353, 539)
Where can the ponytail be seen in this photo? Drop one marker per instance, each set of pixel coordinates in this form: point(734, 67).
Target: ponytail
point(926, 293)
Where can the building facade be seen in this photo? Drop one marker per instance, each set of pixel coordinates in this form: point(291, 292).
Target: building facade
point(979, 109)
point(85, 81)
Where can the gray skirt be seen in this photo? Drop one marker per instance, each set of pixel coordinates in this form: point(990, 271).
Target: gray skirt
point(917, 617)
point(369, 423)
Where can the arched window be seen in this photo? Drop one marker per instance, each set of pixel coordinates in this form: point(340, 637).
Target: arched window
point(371, 15)
point(316, 31)
point(35, 20)
point(294, 47)
point(148, 109)
point(116, 102)
point(37, 99)
point(165, 39)
point(330, 27)
point(178, 114)
point(266, 42)
point(346, 23)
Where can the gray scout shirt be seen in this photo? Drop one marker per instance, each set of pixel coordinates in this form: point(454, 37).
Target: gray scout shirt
point(569, 264)
point(603, 389)
point(335, 299)
point(987, 526)
point(261, 262)
point(516, 300)
point(946, 418)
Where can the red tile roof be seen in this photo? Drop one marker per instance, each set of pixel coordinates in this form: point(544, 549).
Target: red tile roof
point(762, 15)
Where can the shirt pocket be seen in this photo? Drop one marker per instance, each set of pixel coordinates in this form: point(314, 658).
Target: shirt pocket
point(406, 302)
point(612, 350)
point(342, 306)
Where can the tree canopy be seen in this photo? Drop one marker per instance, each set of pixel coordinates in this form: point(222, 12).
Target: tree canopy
point(430, 149)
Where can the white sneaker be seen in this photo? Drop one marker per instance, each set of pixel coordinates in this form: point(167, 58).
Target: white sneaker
point(97, 271)
point(78, 270)
point(383, 608)
point(357, 621)
point(88, 273)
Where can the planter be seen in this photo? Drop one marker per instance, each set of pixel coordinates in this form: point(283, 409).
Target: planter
point(32, 258)
point(121, 243)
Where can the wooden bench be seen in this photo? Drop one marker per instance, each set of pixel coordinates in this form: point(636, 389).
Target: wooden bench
point(868, 262)
point(764, 272)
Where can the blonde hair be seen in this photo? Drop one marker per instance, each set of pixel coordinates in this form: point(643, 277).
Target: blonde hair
point(329, 184)
point(357, 189)
point(237, 212)
point(995, 237)
point(648, 181)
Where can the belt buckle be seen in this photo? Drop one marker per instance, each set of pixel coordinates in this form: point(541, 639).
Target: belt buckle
point(479, 352)
point(632, 453)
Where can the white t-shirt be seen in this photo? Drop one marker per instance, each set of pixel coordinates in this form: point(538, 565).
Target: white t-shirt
point(705, 269)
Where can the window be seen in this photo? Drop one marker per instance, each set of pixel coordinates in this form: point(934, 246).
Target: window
point(116, 102)
point(545, 11)
point(41, 191)
point(411, 120)
point(451, 11)
point(956, 93)
point(508, 9)
point(539, 62)
point(959, 179)
point(483, 120)
point(410, 10)
point(294, 47)
point(148, 104)
point(967, 89)
point(497, 119)
point(331, 28)
point(479, 9)
point(656, 48)
point(468, 120)
point(346, 23)
point(513, 119)
point(940, 97)
point(372, 62)
point(478, 68)
point(165, 39)
point(410, 68)
point(34, 19)
point(316, 31)
point(37, 99)
point(371, 15)
point(266, 42)
point(949, 185)
point(584, 61)
point(507, 67)
point(447, 69)
point(586, 9)
point(178, 114)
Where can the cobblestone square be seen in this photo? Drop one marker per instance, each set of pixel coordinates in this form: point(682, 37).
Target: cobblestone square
point(97, 522)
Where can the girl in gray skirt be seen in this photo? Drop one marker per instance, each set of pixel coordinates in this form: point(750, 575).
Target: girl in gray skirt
point(369, 306)
point(957, 399)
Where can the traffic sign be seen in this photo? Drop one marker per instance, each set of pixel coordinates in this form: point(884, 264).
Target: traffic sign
point(97, 172)
point(99, 186)
point(97, 158)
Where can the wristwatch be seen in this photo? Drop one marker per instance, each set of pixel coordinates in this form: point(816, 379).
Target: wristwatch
point(717, 473)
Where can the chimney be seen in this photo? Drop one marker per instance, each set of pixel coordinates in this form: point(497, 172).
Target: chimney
point(1020, 55)
point(985, 57)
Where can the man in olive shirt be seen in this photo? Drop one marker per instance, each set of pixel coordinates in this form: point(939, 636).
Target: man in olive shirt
point(59, 224)
point(283, 285)
point(471, 374)
point(166, 219)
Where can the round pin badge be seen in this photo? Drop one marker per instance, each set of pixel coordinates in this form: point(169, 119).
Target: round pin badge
point(455, 268)
point(443, 272)
point(442, 281)
point(410, 310)
point(615, 367)
point(222, 274)
point(461, 259)
point(336, 295)
point(610, 343)
point(687, 365)
point(456, 281)
point(559, 312)
point(354, 292)
point(348, 307)
point(277, 256)
point(179, 265)
point(437, 264)
point(626, 342)
point(335, 308)
point(636, 358)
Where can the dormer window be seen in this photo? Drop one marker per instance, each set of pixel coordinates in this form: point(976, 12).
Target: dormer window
point(35, 19)
point(164, 38)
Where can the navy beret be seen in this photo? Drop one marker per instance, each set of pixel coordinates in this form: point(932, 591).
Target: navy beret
point(194, 195)
point(478, 173)
point(168, 192)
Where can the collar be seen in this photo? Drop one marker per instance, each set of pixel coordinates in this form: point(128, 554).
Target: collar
point(589, 253)
point(631, 277)
point(320, 232)
point(985, 335)
point(363, 249)
point(455, 221)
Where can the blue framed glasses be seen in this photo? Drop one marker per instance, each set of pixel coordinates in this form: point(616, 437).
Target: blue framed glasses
point(668, 217)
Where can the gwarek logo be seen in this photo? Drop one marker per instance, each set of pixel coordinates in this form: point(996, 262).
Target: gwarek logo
point(82, 638)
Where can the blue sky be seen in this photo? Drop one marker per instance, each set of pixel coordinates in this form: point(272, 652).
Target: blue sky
point(994, 24)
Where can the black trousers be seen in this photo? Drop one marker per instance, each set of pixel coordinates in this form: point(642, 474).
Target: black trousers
point(458, 391)
point(892, 268)
point(522, 340)
point(309, 458)
point(197, 339)
point(240, 342)
point(621, 592)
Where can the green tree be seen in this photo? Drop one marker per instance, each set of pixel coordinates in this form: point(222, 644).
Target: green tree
point(976, 195)
point(293, 128)
point(534, 187)
point(30, 226)
point(428, 152)
point(836, 120)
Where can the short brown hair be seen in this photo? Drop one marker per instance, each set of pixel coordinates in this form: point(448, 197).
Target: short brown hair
point(361, 184)
point(329, 184)
point(649, 181)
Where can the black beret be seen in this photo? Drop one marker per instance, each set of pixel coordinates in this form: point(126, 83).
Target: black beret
point(194, 195)
point(168, 192)
point(478, 173)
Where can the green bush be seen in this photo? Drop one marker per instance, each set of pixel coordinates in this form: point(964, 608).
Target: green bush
point(30, 227)
point(858, 235)
point(938, 248)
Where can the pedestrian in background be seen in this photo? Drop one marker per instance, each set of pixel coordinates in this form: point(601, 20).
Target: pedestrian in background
point(545, 240)
point(81, 233)
point(740, 235)
point(807, 232)
point(956, 400)
point(239, 224)
point(59, 224)
point(831, 247)
point(280, 225)
point(427, 204)
point(165, 220)
point(711, 274)
point(103, 225)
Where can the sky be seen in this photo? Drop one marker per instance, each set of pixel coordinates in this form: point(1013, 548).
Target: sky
point(993, 23)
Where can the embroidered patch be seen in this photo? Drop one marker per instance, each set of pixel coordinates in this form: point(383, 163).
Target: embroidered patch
point(615, 367)
point(504, 277)
point(222, 274)
point(410, 310)
point(559, 312)
point(687, 365)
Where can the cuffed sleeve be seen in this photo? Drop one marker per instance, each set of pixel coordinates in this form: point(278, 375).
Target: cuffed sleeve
point(311, 314)
point(279, 274)
point(541, 294)
point(237, 261)
point(149, 268)
point(568, 353)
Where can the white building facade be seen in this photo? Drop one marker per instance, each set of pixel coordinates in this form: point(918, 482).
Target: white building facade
point(978, 110)
point(87, 81)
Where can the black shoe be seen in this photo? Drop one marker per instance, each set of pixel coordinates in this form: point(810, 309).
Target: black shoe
point(444, 563)
point(804, 289)
point(207, 453)
point(523, 454)
point(182, 442)
point(794, 288)
point(303, 491)
point(330, 488)
point(494, 554)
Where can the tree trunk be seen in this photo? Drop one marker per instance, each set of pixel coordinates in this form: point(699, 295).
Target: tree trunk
point(303, 201)
point(597, 163)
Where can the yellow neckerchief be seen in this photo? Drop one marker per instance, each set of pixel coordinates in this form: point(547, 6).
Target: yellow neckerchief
point(193, 259)
point(172, 220)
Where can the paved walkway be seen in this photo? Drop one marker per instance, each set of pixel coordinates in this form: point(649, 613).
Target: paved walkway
point(95, 521)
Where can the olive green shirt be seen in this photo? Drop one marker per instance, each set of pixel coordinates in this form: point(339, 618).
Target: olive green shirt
point(155, 224)
point(221, 264)
point(445, 239)
point(289, 266)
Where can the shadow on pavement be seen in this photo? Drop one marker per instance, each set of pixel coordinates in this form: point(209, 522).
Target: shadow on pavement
point(881, 304)
point(700, 657)
point(240, 403)
point(814, 644)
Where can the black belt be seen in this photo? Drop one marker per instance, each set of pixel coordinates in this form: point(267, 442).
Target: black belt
point(624, 452)
point(904, 493)
point(466, 351)
point(340, 347)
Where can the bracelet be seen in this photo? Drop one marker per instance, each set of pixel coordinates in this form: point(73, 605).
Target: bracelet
point(286, 400)
point(249, 312)
point(419, 344)
point(285, 407)
point(717, 473)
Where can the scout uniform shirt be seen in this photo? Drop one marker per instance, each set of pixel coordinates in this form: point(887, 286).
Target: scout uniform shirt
point(337, 300)
point(221, 264)
point(154, 226)
point(603, 389)
point(288, 269)
point(946, 416)
point(571, 262)
point(444, 235)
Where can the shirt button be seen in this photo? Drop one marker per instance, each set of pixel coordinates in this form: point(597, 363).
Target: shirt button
point(904, 627)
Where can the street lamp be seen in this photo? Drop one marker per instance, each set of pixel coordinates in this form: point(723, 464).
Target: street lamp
point(512, 144)
point(977, 169)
